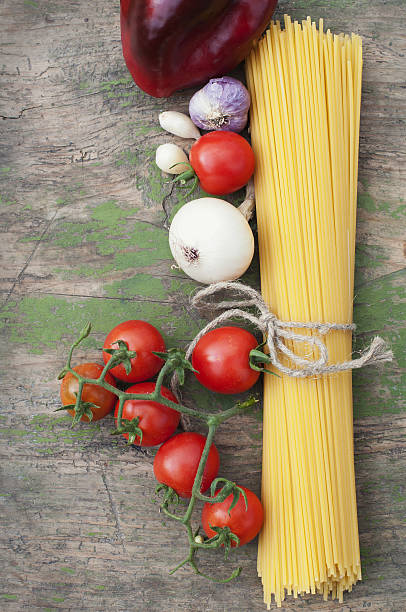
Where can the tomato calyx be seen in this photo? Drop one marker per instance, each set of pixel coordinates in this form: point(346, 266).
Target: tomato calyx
point(176, 362)
point(80, 409)
point(121, 355)
point(130, 427)
point(226, 490)
point(170, 497)
point(257, 357)
point(224, 536)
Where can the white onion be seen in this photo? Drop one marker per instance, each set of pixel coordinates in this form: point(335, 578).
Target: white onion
point(170, 158)
point(211, 240)
point(178, 124)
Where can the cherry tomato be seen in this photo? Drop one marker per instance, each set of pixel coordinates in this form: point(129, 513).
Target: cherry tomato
point(143, 338)
point(157, 421)
point(177, 460)
point(223, 161)
point(221, 358)
point(245, 523)
point(104, 399)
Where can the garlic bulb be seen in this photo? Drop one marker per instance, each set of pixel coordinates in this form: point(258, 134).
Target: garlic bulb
point(222, 104)
point(211, 240)
point(170, 158)
point(178, 124)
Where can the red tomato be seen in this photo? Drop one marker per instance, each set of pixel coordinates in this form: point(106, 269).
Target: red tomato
point(143, 338)
point(221, 358)
point(177, 460)
point(91, 393)
point(157, 421)
point(245, 523)
point(223, 161)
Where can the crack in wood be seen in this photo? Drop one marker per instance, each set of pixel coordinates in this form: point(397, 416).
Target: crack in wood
point(27, 263)
point(114, 511)
point(46, 70)
point(102, 297)
point(378, 278)
point(22, 111)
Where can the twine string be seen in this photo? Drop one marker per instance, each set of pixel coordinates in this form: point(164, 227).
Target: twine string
point(276, 332)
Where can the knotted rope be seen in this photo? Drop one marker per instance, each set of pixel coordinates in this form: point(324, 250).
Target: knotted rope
point(277, 331)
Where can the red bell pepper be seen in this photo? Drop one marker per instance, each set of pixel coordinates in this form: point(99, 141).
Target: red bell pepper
point(173, 44)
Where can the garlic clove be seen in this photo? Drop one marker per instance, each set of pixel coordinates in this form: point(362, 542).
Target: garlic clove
point(171, 159)
point(178, 124)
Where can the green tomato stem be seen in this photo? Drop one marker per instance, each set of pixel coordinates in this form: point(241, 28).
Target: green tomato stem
point(106, 368)
point(172, 516)
point(121, 402)
point(228, 414)
point(199, 474)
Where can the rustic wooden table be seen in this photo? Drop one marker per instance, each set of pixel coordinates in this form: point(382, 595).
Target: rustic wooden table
point(83, 239)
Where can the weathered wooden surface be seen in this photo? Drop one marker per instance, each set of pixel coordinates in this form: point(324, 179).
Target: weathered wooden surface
point(83, 240)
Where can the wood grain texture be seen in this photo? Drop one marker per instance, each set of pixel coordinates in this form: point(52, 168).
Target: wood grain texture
point(83, 239)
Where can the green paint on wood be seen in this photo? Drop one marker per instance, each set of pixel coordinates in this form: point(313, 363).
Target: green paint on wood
point(121, 240)
point(144, 129)
point(109, 85)
point(48, 422)
point(8, 596)
point(13, 432)
point(152, 184)
point(368, 556)
point(58, 599)
point(398, 494)
point(127, 158)
point(31, 239)
point(70, 193)
point(44, 322)
point(380, 305)
point(149, 179)
point(369, 257)
point(6, 201)
point(143, 285)
point(38, 431)
point(381, 302)
point(67, 570)
point(121, 87)
point(394, 209)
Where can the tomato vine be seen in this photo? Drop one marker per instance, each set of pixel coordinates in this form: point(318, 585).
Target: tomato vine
point(174, 362)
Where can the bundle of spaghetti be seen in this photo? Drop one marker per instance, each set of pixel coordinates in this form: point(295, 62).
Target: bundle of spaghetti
point(305, 86)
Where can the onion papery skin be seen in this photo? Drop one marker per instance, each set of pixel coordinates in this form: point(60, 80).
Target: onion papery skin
point(211, 240)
